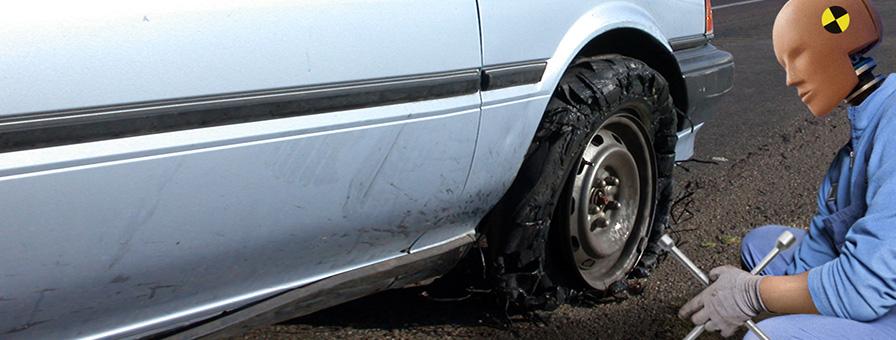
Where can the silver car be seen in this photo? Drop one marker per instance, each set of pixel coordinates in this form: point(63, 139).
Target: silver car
point(194, 168)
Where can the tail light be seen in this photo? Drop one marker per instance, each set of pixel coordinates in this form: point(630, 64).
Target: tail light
point(708, 30)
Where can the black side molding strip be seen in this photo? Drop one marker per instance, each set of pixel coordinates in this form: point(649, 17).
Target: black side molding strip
point(46, 129)
point(498, 77)
point(36, 130)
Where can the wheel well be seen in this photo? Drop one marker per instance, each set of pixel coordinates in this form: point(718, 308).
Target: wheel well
point(637, 44)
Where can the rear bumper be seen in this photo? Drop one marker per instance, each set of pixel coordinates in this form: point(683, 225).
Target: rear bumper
point(708, 74)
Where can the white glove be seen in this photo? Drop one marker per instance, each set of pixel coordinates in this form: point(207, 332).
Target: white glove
point(732, 299)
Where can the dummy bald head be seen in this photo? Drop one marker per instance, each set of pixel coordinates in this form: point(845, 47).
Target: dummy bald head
point(814, 40)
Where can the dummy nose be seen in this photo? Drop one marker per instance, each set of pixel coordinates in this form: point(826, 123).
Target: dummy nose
point(792, 79)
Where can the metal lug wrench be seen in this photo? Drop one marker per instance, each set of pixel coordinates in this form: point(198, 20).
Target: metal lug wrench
point(784, 242)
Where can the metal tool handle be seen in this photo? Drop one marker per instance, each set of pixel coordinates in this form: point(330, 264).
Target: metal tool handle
point(750, 324)
point(695, 332)
point(784, 242)
point(765, 261)
point(690, 266)
point(759, 334)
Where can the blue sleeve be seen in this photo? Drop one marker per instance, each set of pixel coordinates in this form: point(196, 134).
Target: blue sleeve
point(815, 250)
point(860, 284)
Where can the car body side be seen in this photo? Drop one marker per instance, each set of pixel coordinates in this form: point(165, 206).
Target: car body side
point(291, 151)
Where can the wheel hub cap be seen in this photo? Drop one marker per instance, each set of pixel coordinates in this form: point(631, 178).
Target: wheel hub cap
point(610, 203)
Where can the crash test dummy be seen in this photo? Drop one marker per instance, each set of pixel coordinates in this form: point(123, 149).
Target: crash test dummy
point(839, 281)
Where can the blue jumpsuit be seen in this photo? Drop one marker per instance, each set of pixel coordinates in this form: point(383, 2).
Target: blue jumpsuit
point(850, 247)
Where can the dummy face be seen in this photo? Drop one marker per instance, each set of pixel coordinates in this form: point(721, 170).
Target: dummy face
point(813, 40)
point(822, 79)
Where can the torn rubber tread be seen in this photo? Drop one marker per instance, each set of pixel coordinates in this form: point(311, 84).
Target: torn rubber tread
point(591, 90)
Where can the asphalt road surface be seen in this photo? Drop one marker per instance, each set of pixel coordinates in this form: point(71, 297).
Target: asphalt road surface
point(758, 162)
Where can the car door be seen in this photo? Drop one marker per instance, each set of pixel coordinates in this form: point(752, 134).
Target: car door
point(163, 161)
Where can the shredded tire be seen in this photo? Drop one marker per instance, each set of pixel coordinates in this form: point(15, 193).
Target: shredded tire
point(517, 230)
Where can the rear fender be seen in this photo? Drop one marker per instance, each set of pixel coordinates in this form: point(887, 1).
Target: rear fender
point(599, 20)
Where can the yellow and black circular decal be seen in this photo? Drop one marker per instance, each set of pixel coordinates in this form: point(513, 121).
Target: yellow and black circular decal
point(835, 19)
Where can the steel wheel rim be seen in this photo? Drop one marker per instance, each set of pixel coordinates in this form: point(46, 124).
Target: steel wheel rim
point(611, 202)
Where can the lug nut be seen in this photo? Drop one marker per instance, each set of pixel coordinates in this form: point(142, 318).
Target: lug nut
point(613, 205)
point(611, 181)
point(600, 222)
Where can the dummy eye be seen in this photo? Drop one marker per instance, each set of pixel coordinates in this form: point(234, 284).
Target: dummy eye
point(789, 58)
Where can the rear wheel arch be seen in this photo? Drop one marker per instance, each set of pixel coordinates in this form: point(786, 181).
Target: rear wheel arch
point(637, 44)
